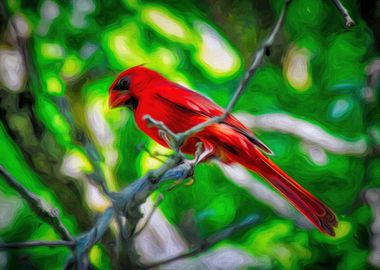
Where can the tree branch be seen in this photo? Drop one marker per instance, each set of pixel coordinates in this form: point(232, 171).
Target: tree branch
point(127, 202)
point(84, 242)
point(48, 214)
point(31, 137)
point(87, 240)
point(179, 138)
point(348, 21)
point(29, 244)
point(175, 141)
point(258, 58)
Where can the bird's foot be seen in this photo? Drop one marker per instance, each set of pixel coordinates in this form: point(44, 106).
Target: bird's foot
point(203, 152)
point(190, 182)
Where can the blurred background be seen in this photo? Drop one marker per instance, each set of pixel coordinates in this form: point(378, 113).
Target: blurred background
point(314, 102)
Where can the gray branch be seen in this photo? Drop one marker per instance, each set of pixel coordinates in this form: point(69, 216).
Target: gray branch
point(85, 241)
point(48, 214)
point(179, 138)
point(127, 202)
point(29, 244)
point(348, 21)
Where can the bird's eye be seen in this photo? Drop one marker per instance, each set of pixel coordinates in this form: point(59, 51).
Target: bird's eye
point(123, 84)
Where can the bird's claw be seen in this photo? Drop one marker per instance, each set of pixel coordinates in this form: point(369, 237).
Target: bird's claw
point(164, 135)
point(201, 153)
point(190, 182)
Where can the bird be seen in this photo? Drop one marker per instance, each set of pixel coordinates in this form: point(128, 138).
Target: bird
point(147, 92)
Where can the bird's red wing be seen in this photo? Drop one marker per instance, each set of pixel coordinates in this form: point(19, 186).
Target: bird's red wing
point(189, 100)
point(194, 102)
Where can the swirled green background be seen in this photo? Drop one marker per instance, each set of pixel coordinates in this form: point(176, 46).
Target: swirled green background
point(314, 102)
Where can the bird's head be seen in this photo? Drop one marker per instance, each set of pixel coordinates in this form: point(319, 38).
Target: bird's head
point(130, 84)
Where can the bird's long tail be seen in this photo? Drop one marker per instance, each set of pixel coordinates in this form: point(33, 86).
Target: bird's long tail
point(313, 209)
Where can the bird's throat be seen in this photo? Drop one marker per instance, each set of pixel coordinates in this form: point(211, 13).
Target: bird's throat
point(131, 103)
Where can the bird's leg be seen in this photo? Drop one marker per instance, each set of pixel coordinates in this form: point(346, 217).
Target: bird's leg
point(172, 139)
point(168, 139)
point(201, 153)
point(204, 150)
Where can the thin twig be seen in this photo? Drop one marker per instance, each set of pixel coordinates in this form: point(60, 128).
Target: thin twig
point(258, 58)
point(128, 201)
point(256, 62)
point(94, 156)
point(175, 141)
point(348, 21)
point(48, 214)
point(29, 244)
point(172, 139)
point(154, 155)
point(209, 241)
point(179, 138)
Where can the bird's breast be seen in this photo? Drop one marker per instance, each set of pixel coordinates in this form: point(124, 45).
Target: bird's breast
point(132, 103)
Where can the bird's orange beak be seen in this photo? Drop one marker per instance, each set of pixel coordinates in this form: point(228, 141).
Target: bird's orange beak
point(118, 98)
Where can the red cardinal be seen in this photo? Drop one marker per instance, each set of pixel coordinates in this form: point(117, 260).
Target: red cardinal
point(146, 92)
